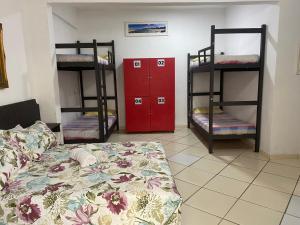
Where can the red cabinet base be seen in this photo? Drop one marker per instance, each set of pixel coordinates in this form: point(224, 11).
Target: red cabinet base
point(149, 94)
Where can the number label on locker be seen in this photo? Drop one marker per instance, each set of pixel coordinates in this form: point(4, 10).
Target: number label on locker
point(137, 64)
point(137, 101)
point(161, 100)
point(160, 62)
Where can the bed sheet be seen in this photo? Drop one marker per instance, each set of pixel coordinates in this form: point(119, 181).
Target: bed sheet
point(131, 184)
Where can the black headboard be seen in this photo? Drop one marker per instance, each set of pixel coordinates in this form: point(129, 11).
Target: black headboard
point(24, 113)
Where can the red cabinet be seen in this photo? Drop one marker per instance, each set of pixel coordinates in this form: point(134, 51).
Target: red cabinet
point(149, 94)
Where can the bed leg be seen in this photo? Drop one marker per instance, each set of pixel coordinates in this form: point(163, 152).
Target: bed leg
point(189, 124)
point(257, 144)
point(210, 146)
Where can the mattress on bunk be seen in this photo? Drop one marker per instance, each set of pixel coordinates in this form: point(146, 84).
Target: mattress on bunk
point(228, 59)
point(85, 127)
point(80, 58)
point(224, 124)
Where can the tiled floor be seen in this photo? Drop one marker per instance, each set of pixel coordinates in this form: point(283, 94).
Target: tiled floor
point(234, 185)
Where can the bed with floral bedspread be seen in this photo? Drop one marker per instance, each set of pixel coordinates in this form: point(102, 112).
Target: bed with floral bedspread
point(130, 184)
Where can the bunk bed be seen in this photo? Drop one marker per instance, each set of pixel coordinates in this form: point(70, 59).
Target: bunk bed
point(96, 128)
point(215, 124)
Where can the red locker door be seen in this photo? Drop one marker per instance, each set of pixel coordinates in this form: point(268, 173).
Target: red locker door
point(162, 113)
point(136, 77)
point(162, 92)
point(162, 75)
point(137, 113)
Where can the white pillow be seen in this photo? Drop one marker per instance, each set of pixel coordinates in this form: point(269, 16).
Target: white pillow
point(83, 157)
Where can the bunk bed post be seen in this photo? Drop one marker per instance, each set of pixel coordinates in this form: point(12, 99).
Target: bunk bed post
point(221, 88)
point(260, 86)
point(80, 80)
point(113, 51)
point(99, 92)
point(188, 91)
point(191, 93)
point(115, 83)
point(105, 101)
point(211, 88)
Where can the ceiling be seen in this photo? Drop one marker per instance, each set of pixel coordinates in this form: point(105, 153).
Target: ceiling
point(175, 5)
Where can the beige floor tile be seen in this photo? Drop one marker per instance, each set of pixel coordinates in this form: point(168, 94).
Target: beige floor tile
point(227, 186)
point(194, 134)
point(182, 132)
point(118, 137)
point(194, 176)
point(154, 135)
point(297, 189)
point(196, 151)
point(209, 165)
point(163, 142)
point(200, 144)
point(239, 173)
point(211, 202)
point(282, 170)
point(186, 189)
point(176, 167)
point(294, 206)
point(184, 159)
point(275, 182)
point(245, 213)
point(289, 162)
point(130, 137)
point(188, 140)
point(266, 197)
point(114, 139)
point(191, 216)
point(174, 148)
point(255, 155)
point(143, 138)
point(249, 163)
point(168, 137)
point(290, 220)
point(226, 222)
point(220, 158)
point(228, 152)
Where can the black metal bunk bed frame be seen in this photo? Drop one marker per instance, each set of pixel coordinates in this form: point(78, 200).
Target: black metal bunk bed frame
point(206, 65)
point(100, 75)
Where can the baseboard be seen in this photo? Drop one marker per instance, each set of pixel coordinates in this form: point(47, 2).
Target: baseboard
point(284, 156)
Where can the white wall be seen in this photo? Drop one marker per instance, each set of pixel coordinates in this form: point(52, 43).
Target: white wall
point(189, 30)
point(241, 85)
point(65, 31)
point(16, 63)
point(286, 110)
point(40, 55)
point(30, 65)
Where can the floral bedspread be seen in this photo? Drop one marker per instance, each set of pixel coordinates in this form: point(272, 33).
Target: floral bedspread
point(130, 185)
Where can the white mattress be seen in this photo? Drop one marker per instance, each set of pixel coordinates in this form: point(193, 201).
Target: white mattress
point(79, 58)
point(85, 127)
point(228, 59)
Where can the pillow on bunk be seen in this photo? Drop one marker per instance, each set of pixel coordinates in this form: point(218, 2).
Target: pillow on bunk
point(32, 141)
point(105, 56)
point(205, 110)
point(91, 114)
point(196, 60)
point(103, 59)
point(110, 112)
